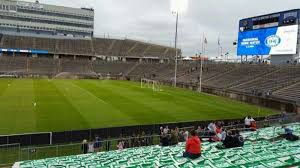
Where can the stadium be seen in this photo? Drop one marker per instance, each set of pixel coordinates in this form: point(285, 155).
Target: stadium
point(71, 99)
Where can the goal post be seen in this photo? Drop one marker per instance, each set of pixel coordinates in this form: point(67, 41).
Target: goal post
point(151, 84)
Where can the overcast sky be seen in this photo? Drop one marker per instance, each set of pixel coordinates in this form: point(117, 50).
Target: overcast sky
point(152, 21)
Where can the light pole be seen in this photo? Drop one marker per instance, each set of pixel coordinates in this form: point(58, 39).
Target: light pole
point(177, 6)
point(176, 52)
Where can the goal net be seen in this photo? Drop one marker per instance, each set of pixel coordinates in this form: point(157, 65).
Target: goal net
point(152, 84)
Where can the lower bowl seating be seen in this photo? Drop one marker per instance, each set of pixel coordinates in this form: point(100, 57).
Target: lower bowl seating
point(260, 153)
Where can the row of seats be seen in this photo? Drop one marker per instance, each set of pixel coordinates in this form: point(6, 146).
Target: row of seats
point(95, 46)
point(258, 152)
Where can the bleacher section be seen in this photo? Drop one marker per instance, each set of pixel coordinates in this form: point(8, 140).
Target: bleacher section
point(79, 67)
point(155, 51)
point(291, 92)
point(101, 45)
point(259, 151)
point(43, 66)
point(45, 44)
point(76, 47)
point(275, 80)
point(239, 75)
point(10, 65)
point(111, 68)
point(87, 47)
point(18, 42)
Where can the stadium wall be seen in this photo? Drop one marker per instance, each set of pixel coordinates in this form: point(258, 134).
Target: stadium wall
point(75, 136)
point(276, 104)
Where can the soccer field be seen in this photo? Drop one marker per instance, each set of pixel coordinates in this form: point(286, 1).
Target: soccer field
point(40, 105)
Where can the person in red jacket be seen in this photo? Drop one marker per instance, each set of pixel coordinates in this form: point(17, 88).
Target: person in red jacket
point(253, 126)
point(193, 146)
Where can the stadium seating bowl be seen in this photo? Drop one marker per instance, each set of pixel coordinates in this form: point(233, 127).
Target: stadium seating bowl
point(259, 153)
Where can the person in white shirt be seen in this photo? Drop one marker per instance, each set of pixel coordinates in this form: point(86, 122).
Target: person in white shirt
point(247, 122)
point(212, 128)
point(186, 135)
point(91, 147)
point(120, 145)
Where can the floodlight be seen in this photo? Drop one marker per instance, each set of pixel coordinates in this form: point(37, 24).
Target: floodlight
point(179, 6)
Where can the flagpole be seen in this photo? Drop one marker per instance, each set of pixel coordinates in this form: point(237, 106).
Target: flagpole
point(219, 46)
point(202, 44)
point(201, 63)
point(200, 77)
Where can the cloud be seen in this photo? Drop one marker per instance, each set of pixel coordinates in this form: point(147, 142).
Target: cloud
point(151, 20)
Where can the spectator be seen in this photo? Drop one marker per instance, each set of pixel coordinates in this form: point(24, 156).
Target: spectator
point(228, 141)
point(164, 140)
point(289, 134)
point(199, 130)
point(120, 145)
point(193, 146)
point(238, 139)
point(186, 135)
point(91, 147)
point(212, 128)
point(161, 130)
point(166, 130)
point(247, 122)
point(181, 136)
point(223, 134)
point(107, 145)
point(217, 136)
point(97, 144)
point(174, 137)
point(233, 139)
point(253, 125)
point(84, 146)
point(283, 116)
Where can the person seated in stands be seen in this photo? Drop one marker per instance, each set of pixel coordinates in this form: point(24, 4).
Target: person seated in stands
point(181, 136)
point(247, 122)
point(238, 139)
point(233, 139)
point(228, 142)
point(166, 130)
point(212, 128)
point(288, 134)
point(174, 136)
point(193, 146)
point(84, 146)
point(161, 130)
point(164, 140)
point(217, 136)
point(97, 144)
point(199, 130)
point(120, 145)
point(185, 135)
point(253, 125)
point(223, 134)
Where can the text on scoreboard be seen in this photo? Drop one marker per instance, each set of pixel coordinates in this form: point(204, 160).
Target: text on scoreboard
point(268, 41)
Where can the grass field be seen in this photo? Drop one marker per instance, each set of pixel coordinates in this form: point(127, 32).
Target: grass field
point(38, 105)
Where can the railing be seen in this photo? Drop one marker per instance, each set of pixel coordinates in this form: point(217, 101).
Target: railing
point(9, 154)
point(13, 152)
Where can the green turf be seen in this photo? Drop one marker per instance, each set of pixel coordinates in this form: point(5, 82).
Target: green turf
point(82, 104)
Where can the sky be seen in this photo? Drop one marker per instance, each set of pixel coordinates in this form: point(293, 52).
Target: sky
point(152, 20)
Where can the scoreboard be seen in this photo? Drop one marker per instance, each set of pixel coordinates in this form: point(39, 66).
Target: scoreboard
point(273, 34)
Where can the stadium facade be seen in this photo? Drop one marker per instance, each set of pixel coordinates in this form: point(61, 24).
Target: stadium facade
point(275, 35)
point(20, 17)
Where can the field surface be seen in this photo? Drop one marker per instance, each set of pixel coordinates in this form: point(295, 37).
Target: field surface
point(42, 105)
